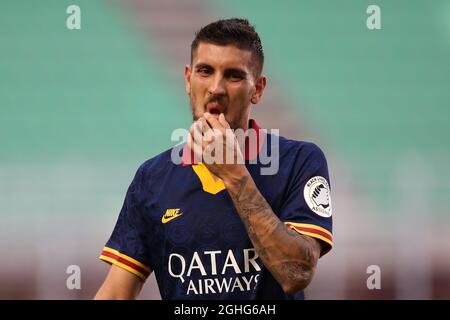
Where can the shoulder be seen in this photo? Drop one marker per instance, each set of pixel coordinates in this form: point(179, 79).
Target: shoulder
point(299, 150)
point(159, 164)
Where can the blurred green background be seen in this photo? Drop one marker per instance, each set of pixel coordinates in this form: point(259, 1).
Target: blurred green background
point(81, 109)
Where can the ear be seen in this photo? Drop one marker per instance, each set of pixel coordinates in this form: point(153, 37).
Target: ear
point(260, 85)
point(187, 78)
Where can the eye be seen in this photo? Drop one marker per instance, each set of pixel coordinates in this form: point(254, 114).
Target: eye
point(203, 71)
point(236, 77)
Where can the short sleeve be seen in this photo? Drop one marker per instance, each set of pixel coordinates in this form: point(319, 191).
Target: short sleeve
point(307, 204)
point(126, 248)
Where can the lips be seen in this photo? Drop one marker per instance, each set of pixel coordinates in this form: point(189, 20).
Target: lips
point(214, 108)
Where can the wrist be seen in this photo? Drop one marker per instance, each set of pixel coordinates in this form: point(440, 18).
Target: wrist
point(235, 177)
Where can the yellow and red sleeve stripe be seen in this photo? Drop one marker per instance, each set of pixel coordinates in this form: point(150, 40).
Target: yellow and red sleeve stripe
point(312, 231)
point(125, 262)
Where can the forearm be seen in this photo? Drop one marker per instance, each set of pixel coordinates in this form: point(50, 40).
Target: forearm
point(119, 285)
point(289, 256)
point(111, 293)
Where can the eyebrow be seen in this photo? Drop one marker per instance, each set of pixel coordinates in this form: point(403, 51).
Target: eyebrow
point(228, 71)
point(203, 65)
point(235, 71)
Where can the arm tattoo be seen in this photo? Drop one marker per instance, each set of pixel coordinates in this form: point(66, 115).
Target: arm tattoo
point(289, 256)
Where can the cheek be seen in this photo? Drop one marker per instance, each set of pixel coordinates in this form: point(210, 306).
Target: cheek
point(240, 95)
point(197, 88)
point(194, 91)
point(197, 97)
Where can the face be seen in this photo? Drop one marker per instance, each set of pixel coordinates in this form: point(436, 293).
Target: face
point(221, 80)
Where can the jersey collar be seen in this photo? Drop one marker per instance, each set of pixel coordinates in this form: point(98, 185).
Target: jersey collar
point(250, 153)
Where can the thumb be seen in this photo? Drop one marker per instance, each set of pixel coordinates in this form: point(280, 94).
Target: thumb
point(223, 122)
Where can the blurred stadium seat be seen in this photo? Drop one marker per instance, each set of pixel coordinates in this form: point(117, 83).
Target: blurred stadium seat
point(80, 110)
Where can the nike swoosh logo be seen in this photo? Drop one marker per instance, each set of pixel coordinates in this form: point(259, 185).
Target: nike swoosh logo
point(165, 220)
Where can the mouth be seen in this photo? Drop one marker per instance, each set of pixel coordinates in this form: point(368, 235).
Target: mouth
point(214, 108)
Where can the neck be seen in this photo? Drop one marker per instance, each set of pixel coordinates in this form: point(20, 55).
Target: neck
point(242, 124)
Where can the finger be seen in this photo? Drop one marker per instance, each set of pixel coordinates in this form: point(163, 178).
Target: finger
point(190, 144)
point(198, 127)
point(204, 124)
point(196, 133)
point(189, 141)
point(213, 122)
point(195, 142)
point(207, 131)
point(223, 121)
point(229, 134)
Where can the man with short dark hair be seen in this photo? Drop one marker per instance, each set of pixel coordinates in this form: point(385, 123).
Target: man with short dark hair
point(212, 228)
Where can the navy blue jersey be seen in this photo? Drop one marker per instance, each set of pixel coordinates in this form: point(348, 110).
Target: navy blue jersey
point(181, 222)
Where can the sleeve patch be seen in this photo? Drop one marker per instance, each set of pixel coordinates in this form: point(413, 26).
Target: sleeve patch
point(317, 196)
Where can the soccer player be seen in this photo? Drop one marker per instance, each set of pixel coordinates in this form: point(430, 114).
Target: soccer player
point(215, 229)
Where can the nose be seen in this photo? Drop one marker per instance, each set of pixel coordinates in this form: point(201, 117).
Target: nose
point(217, 85)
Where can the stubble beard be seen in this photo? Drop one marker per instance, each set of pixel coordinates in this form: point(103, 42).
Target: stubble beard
point(234, 123)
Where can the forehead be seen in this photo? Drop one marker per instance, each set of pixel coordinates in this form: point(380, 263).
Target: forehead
point(223, 57)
